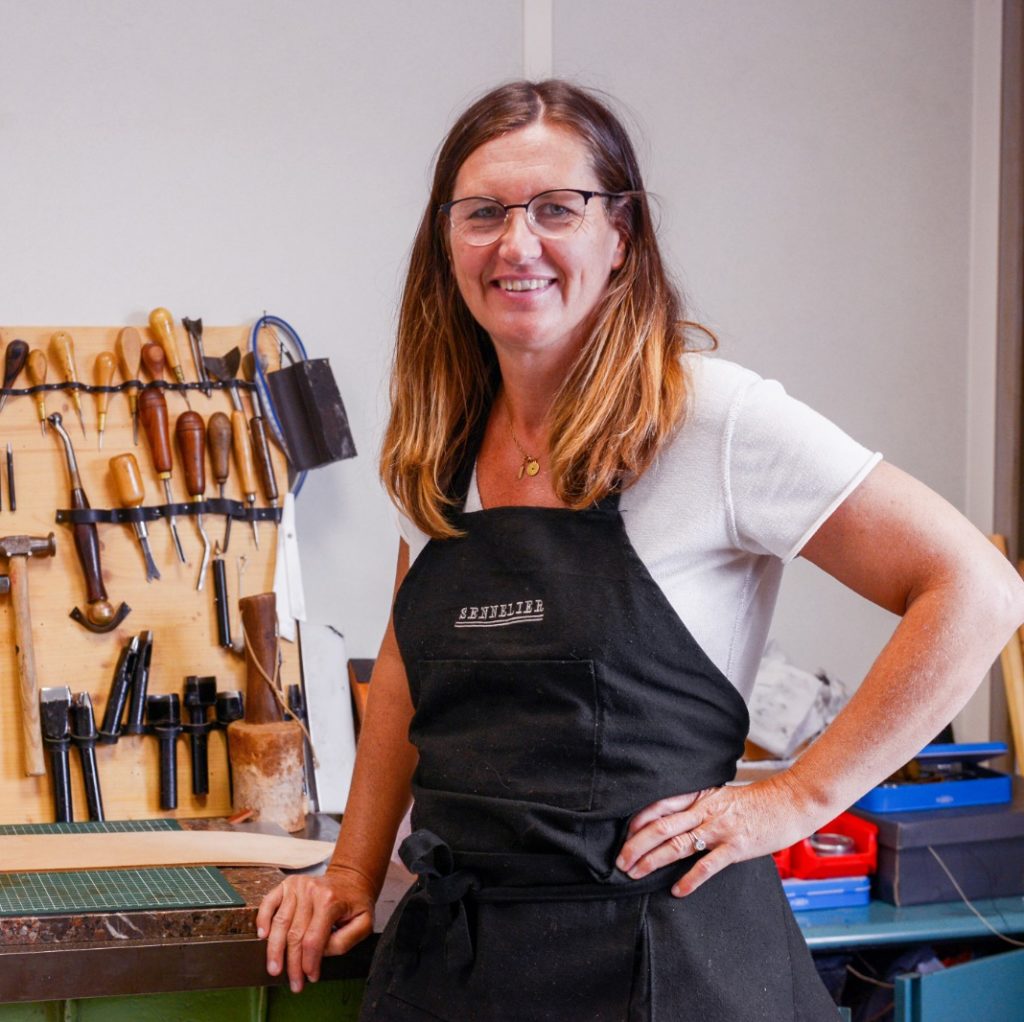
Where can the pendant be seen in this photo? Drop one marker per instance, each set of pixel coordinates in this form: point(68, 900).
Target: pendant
point(532, 466)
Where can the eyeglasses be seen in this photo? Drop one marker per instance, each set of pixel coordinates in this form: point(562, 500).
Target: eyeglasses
point(478, 220)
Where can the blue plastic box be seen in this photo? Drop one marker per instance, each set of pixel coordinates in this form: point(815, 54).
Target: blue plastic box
point(987, 788)
point(838, 892)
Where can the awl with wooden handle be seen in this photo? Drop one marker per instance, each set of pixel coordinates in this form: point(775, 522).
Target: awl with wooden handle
point(162, 324)
point(153, 413)
point(242, 445)
point(218, 438)
point(190, 432)
point(37, 377)
point(62, 351)
point(131, 492)
point(258, 431)
point(129, 355)
point(14, 361)
point(103, 376)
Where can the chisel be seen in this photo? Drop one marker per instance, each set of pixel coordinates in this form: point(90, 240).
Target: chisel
point(110, 729)
point(128, 483)
point(258, 431)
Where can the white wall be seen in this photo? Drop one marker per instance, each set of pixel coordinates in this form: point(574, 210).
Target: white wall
point(813, 159)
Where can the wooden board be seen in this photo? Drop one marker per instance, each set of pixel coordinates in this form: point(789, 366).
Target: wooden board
point(46, 852)
point(181, 618)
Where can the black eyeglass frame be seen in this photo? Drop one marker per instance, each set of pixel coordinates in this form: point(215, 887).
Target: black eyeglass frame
point(446, 207)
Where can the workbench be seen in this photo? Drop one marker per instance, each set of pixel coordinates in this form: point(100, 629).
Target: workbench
point(191, 964)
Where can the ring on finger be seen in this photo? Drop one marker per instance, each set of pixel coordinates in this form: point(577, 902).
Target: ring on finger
point(699, 844)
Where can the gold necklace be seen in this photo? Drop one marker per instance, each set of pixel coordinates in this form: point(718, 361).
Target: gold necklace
point(530, 465)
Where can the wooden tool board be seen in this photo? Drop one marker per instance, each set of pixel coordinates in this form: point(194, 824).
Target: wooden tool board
point(181, 619)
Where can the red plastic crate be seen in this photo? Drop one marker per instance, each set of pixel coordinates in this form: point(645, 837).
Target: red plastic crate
point(806, 864)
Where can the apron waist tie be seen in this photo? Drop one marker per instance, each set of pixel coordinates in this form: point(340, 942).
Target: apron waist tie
point(436, 909)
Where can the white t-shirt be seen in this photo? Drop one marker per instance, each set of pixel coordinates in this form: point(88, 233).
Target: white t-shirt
point(748, 479)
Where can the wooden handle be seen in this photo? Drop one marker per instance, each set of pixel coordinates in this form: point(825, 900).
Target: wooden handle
point(62, 351)
point(153, 413)
point(154, 360)
point(14, 361)
point(161, 322)
point(129, 352)
point(103, 376)
point(218, 436)
point(87, 546)
point(37, 376)
point(259, 620)
point(190, 433)
point(261, 453)
point(243, 452)
point(127, 480)
point(35, 765)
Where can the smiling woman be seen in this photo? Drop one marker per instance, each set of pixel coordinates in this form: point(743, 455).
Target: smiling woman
point(595, 521)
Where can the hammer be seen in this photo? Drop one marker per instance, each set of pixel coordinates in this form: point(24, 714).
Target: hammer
point(17, 550)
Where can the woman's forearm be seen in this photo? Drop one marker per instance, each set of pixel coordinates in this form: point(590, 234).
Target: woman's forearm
point(942, 647)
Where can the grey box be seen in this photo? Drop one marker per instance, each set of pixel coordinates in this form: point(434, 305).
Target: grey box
point(982, 846)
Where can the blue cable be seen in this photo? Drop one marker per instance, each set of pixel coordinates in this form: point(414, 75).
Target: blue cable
point(261, 381)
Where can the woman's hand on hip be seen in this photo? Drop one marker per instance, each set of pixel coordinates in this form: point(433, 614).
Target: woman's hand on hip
point(305, 918)
point(729, 824)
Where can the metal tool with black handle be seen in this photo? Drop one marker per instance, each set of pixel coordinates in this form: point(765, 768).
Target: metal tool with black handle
point(163, 714)
point(99, 615)
point(54, 712)
point(83, 737)
point(200, 697)
point(190, 432)
point(131, 493)
point(120, 686)
point(140, 685)
point(14, 361)
point(153, 413)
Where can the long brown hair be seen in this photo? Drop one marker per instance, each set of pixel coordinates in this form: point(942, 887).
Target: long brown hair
point(626, 391)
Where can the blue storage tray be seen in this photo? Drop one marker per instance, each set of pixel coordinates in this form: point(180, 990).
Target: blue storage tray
point(989, 788)
point(838, 892)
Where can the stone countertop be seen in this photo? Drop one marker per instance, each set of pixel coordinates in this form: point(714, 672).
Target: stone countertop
point(148, 951)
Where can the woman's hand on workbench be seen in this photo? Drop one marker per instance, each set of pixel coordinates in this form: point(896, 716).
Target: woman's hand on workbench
point(306, 917)
point(730, 824)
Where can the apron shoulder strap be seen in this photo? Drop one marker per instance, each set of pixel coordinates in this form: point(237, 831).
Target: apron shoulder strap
point(458, 488)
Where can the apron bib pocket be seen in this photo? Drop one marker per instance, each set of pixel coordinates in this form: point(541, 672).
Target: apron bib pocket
point(526, 730)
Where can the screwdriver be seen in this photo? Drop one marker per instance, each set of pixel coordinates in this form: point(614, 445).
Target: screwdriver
point(258, 430)
point(153, 413)
point(190, 433)
point(129, 353)
point(14, 362)
point(103, 376)
point(37, 377)
point(62, 351)
point(243, 458)
point(162, 324)
point(128, 482)
point(218, 438)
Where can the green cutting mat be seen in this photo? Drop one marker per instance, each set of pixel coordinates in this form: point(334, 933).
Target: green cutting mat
point(110, 890)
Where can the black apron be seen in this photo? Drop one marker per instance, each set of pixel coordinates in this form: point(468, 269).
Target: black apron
point(556, 693)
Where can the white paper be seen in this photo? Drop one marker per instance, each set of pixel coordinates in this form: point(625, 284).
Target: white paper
point(329, 706)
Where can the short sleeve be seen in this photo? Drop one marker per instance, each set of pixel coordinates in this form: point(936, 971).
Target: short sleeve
point(787, 468)
point(416, 539)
